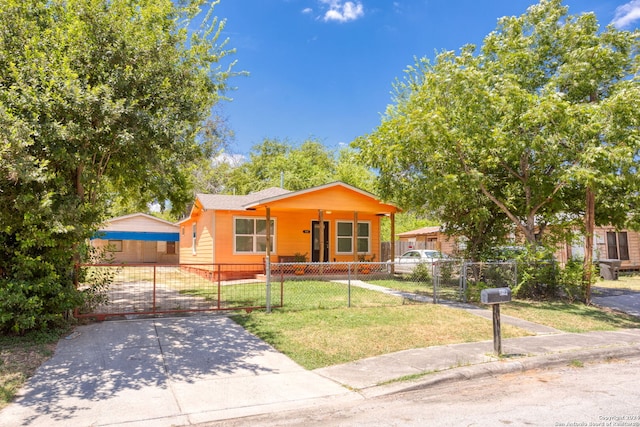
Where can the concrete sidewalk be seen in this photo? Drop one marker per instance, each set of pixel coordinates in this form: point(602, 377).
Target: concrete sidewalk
point(205, 368)
point(379, 375)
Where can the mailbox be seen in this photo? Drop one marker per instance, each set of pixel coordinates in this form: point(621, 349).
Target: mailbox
point(495, 295)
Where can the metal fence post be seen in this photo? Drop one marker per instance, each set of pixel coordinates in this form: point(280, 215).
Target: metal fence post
point(268, 265)
point(349, 284)
point(154, 289)
point(434, 279)
point(463, 281)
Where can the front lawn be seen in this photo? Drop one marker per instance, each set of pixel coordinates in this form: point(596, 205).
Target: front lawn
point(568, 317)
point(319, 338)
point(628, 282)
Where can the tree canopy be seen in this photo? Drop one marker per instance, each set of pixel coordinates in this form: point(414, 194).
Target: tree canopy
point(98, 99)
point(514, 136)
point(275, 163)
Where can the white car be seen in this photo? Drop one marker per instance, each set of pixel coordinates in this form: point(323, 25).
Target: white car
point(408, 261)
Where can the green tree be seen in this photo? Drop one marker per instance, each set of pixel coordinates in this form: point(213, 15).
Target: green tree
point(512, 134)
point(273, 163)
point(97, 98)
point(351, 170)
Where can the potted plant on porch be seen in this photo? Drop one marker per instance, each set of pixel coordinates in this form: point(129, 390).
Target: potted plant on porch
point(365, 268)
point(299, 258)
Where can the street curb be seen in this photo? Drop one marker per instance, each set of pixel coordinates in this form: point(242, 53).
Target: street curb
point(505, 366)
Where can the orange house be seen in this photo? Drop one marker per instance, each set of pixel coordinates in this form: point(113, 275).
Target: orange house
point(277, 224)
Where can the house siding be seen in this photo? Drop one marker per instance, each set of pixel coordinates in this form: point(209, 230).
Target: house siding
point(204, 240)
point(292, 235)
point(633, 241)
point(139, 251)
point(429, 240)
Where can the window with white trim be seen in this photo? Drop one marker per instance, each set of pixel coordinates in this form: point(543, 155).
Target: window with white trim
point(344, 237)
point(250, 235)
point(194, 237)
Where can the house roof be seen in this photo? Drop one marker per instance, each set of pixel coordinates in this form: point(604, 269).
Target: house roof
point(135, 219)
point(420, 231)
point(138, 226)
point(335, 196)
point(237, 203)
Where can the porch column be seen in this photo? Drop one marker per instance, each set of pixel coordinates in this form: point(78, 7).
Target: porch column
point(267, 258)
point(355, 236)
point(393, 241)
point(268, 232)
point(321, 236)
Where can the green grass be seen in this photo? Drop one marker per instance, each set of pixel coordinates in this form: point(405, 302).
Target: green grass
point(406, 285)
point(297, 295)
point(241, 295)
point(574, 317)
point(630, 282)
point(318, 338)
point(20, 356)
point(448, 290)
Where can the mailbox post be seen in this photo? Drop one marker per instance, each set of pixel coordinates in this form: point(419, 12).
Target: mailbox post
point(494, 297)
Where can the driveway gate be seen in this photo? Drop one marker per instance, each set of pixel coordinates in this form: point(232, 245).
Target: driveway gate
point(145, 289)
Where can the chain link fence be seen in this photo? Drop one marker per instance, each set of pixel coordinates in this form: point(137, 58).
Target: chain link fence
point(128, 289)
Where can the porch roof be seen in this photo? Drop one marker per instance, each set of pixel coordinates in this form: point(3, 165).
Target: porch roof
point(336, 196)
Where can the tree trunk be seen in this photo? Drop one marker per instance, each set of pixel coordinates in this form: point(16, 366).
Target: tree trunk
point(589, 226)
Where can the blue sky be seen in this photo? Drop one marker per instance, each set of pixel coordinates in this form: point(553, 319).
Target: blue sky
point(324, 69)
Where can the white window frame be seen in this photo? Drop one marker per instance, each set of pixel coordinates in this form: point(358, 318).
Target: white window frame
point(194, 237)
point(254, 236)
point(339, 238)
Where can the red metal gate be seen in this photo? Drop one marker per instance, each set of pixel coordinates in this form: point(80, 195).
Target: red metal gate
point(148, 289)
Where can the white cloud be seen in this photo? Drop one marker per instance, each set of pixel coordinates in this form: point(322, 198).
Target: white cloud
point(342, 11)
point(231, 159)
point(626, 14)
point(307, 10)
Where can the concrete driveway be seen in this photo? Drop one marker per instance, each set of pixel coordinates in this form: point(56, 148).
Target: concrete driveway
point(163, 372)
point(618, 299)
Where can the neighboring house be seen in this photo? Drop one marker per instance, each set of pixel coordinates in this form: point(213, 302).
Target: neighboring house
point(139, 238)
point(426, 238)
point(609, 243)
point(230, 229)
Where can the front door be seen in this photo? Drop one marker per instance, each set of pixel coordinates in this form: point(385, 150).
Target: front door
point(149, 251)
point(315, 242)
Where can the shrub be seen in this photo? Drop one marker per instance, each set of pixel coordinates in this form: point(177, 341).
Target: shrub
point(421, 273)
point(94, 282)
point(537, 275)
point(35, 304)
point(570, 281)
